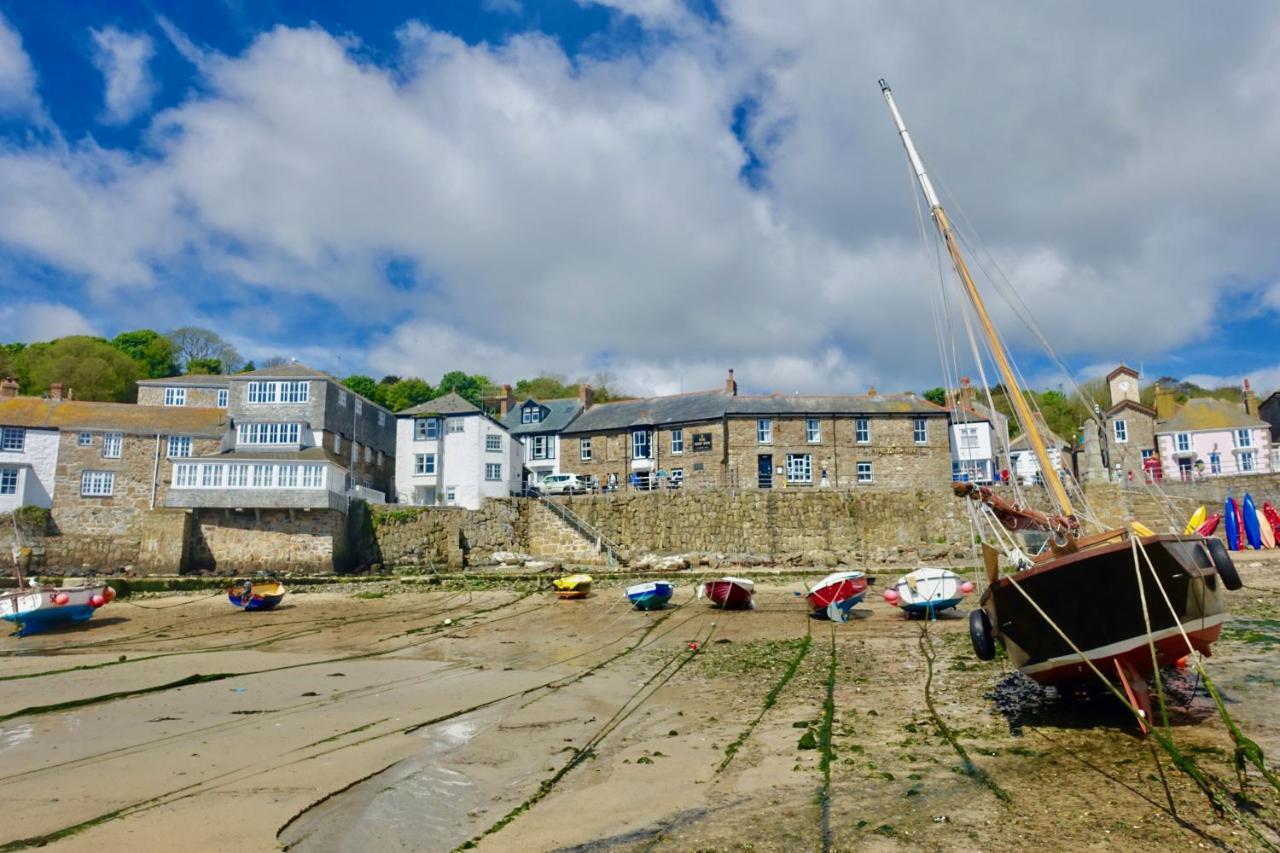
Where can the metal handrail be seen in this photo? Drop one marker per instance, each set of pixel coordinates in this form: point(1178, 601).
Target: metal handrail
point(603, 543)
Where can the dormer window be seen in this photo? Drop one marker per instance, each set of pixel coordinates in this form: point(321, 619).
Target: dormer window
point(531, 415)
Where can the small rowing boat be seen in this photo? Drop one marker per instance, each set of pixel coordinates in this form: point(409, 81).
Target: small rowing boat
point(573, 586)
point(653, 595)
point(926, 591)
point(729, 593)
point(256, 596)
point(844, 589)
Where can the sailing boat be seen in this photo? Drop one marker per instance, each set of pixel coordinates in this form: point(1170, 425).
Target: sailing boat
point(1078, 608)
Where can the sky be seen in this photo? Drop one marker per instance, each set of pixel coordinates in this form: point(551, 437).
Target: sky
point(656, 190)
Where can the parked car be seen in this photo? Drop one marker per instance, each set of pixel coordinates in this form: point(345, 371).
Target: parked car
point(563, 484)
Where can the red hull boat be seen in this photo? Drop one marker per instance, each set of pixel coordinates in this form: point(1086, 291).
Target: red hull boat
point(729, 593)
point(837, 587)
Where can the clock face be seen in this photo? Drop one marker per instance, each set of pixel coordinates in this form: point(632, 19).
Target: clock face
point(1124, 384)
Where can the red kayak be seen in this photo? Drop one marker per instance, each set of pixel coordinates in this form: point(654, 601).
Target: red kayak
point(729, 593)
point(837, 587)
point(1210, 525)
point(1272, 517)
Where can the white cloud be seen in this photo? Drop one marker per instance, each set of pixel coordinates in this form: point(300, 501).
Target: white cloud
point(124, 59)
point(502, 7)
point(43, 321)
point(17, 77)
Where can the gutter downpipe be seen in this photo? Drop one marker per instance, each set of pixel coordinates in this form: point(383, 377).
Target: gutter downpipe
point(155, 473)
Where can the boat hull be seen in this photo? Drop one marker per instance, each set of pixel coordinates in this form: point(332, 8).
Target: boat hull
point(573, 586)
point(730, 594)
point(261, 597)
point(928, 591)
point(845, 588)
point(35, 611)
point(650, 596)
point(1109, 626)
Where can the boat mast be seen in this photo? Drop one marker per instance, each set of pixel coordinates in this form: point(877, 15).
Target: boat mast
point(1016, 397)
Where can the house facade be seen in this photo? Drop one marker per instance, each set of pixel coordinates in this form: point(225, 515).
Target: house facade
point(198, 390)
point(1206, 437)
point(1129, 429)
point(973, 448)
point(1023, 464)
point(537, 425)
point(450, 453)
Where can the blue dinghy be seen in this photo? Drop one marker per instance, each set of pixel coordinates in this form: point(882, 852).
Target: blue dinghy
point(653, 595)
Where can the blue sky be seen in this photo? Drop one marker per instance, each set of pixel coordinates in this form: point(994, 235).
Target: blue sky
point(653, 189)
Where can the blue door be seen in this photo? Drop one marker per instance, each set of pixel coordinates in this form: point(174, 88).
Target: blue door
point(764, 470)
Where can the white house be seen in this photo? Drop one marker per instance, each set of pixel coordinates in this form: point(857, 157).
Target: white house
point(1023, 464)
point(537, 425)
point(28, 460)
point(449, 453)
point(972, 448)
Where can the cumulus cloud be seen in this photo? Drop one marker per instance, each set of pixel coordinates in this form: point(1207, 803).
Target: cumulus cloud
point(730, 195)
point(124, 60)
point(43, 321)
point(17, 77)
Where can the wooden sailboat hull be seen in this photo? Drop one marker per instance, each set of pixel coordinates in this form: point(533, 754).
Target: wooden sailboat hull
point(1094, 598)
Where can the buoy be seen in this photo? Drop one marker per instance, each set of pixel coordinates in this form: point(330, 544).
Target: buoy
point(966, 587)
point(891, 595)
point(60, 598)
point(109, 593)
point(1181, 663)
point(97, 601)
point(693, 646)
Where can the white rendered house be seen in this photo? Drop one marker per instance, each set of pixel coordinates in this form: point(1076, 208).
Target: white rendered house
point(972, 449)
point(28, 460)
point(449, 453)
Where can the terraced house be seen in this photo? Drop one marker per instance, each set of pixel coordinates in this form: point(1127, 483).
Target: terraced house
point(450, 453)
point(207, 391)
point(537, 425)
point(720, 439)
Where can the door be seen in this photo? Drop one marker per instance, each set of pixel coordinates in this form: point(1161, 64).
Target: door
point(764, 470)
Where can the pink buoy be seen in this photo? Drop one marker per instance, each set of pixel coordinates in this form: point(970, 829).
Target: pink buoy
point(966, 587)
point(891, 595)
point(97, 601)
point(109, 594)
point(60, 598)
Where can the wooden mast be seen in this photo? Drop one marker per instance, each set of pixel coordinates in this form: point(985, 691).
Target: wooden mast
point(1016, 397)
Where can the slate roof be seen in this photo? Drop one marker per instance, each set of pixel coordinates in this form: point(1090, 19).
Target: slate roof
point(191, 380)
point(1124, 368)
point(1130, 404)
point(292, 370)
point(652, 411)
point(449, 404)
point(71, 415)
point(557, 415)
point(249, 454)
point(1206, 413)
point(846, 404)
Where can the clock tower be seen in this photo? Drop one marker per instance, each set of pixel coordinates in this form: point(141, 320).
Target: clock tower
point(1123, 383)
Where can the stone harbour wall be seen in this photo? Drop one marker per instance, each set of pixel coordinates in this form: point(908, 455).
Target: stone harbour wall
point(439, 537)
point(250, 541)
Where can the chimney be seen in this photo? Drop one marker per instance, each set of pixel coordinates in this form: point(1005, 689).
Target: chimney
point(1166, 403)
point(1250, 400)
point(508, 401)
point(731, 385)
point(966, 393)
point(55, 391)
point(8, 389)
point(587, 395)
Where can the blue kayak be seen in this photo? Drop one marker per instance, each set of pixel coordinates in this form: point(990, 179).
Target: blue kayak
point(1252, 530)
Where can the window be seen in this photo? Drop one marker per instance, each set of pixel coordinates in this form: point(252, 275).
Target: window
point(359, 405)
point(337, 443)
point(677, 478)
point(382, 418)
point(237, 476)
point(1244, 438)
point(813, 430)
point(424, 463)
point(493, 471)
point(921, 432)
point(640, 440)
point(175, 396)
point(312, 476)
point(261, 476)
point(450, 495)
point(379, 459)
point(531, 415)
point(584, 449)
point(862, 430)
point(342, 399)
point(268, 433)
point(283, 392)
point(1147, 453)
point(112, 443)
point(287, 477)
point(184, 476)
point(968, 438)
point(211, 476)
point(8, 481)
point(97, 484)
point(426, 429)
point(1215, 463)
point(13, 438)
point(1184, 442)
point(368, 454)
point(179, 445)
point(1246, 461)
point(1121, 429)
point(677, 441)
point(543, 447)
point(85, 439)
point(295, 392)
point(493, 444)
point(262, 392)
point(864, 472)
point(764, 431)
point(455, 425)
point(224, 397)
point(799, 468)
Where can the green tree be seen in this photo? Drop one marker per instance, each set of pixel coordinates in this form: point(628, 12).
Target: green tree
point(365, 387)
point(405, 393)
point(545, 386)
point(205, 366)
point(936, 395)
point(468, 386)
point(153, 350)
point(195, 342)
point(249, 367)
point(90, 367)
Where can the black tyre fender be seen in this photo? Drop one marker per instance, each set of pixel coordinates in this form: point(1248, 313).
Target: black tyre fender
point(984, 645)
point(1224, 564)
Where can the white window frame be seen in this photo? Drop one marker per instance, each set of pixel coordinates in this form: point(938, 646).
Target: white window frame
point(295, 392)
point(238, 476)
point(1215, 462)
point(424, 464)
point(359, 406)
point(455, 425)
point(531, 414)
point(261, 475)
point(1244, 438)
point(813, 431)
point(179, 446)
point(313, 476)
point(269, 434)
point(342, 399)
point(493, 472)
point(1120, 429)
point(799, 468)
point(1182, 442)
point(1247, 462)
point(286, 476)
point(261, 393)
point(13, 439)
point(862, 430)
point(636, 435)
point(337, 443)
point(969, 438)
point(211, 476)
point(764, 430)
point(920, 430)
point(8, 481)
point(677, 478)
point(450, 495)
point(185, 476)
point(584, 449)
point(112, 445)
point(426, 429)
point(865, 473)
point(175, 396)
point(97, 484)
point(492, 443)
point(382, 418)
point(84, 439)
point(224, 398)
point(677, 441)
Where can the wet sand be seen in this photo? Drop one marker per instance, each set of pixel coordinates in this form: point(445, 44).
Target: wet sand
point(422, 721)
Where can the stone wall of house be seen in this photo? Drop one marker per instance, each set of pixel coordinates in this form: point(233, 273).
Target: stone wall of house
point(197, 395)
point(250, 541)
point(1140, 431)
point(153, 543)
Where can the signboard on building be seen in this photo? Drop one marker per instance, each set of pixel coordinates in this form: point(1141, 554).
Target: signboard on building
point(701, 442)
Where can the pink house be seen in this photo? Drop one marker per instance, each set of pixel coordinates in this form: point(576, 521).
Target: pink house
point(1206, 437)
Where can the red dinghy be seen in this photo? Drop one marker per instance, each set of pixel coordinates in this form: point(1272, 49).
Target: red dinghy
point(729, 593)
point(837, 587)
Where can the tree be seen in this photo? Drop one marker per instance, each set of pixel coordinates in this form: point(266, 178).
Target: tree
point(204, 366)
point(469, 387)
point(90, 367)
point(405, 393)
point(272, 361)
point(194, 342)
point(365, 387)
point(545, 386)
point(389, 380)
point(936, 395)
point(248, 367)
point(151, 349)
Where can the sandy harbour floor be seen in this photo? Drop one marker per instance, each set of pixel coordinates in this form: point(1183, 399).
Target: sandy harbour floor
point(425, 720)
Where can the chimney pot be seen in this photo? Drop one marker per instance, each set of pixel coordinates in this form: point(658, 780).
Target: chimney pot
point(1250, 400)
point(508, 401)
point(55, 391)
point(587, 395)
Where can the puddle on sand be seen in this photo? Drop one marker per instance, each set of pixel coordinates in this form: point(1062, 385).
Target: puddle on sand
point(416, 804)
point(9, 738)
